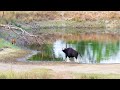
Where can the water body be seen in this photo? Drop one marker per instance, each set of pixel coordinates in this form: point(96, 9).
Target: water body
point(92, 51)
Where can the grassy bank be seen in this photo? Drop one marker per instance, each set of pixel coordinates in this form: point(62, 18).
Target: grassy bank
point(33, 74)
point(10, 52)
point(50, 74)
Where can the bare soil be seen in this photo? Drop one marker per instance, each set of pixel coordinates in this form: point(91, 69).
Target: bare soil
point(76, 68)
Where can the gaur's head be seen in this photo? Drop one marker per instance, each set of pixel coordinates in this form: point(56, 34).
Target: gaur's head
point(63, 49)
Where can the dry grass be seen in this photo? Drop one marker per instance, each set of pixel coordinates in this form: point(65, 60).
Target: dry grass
point(94, 15)
point(33, 74)
point(57, 15)
point(50, 74)
point(92, 36)
point(95, 76)
point(28, 16)
point(90, 19)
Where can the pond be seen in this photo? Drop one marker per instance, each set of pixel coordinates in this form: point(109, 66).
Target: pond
point(100, 50)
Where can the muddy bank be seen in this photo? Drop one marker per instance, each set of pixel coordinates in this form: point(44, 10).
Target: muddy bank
point(9, 55)
point(24, 59)
point(20, 56)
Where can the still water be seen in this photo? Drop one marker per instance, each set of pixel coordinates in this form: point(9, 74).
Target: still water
point(92, 51)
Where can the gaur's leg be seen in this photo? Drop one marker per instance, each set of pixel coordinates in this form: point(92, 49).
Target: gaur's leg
point(67, 59)
point(76, 59)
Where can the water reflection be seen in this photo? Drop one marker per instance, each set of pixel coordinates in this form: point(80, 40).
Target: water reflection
point(91, 51)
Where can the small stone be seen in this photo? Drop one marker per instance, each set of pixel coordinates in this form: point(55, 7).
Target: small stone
point(1, 49)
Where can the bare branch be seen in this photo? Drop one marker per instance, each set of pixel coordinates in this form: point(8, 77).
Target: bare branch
point(17, 28)
point(23, 34)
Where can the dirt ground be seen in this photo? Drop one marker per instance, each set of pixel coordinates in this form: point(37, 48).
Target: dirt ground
point(77, 68)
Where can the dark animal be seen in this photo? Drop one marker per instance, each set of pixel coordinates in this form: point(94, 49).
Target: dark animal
point(69, 52)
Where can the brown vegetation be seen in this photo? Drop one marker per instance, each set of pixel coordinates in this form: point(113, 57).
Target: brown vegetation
point(92, 36)
point(57, 15)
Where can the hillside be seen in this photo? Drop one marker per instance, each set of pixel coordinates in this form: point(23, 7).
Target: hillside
point(59, 15)
point(57, 18)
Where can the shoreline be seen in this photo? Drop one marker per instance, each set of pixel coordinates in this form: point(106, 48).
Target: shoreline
point(10, 54)
point(20, 56)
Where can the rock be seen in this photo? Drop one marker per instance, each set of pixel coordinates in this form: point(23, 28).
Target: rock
point(1, 49)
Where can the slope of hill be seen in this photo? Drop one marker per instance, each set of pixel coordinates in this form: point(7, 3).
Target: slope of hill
point(73, 18)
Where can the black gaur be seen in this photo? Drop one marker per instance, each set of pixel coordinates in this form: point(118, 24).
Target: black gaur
point(69, 52)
